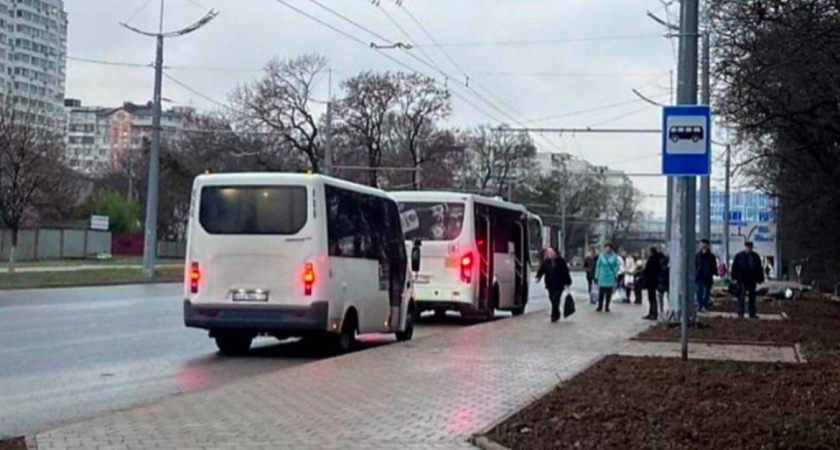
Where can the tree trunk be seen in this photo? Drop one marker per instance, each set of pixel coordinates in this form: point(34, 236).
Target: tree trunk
point(372, 172)
point(13, 251)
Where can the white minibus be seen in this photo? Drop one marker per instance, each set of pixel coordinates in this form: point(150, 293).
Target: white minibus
point(295, 255)
point(475, 252)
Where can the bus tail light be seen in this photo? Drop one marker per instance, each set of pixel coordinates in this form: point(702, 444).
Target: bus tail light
point(308, 278)
point(195, 277)
point(466, 268)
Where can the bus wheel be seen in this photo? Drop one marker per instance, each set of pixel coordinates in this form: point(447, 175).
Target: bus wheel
point(346, 340)
point(403, 336)
point(233, 344)
point(518, 311)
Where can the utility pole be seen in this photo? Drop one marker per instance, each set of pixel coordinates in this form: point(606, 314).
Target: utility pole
point(705, 182)
point(328, 162)
point(726, 204)
point(683, 233)
point(562, 243)
point(778, 220)
point(150, 238)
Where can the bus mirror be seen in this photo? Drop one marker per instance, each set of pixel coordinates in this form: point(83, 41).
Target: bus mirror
point(415, 256)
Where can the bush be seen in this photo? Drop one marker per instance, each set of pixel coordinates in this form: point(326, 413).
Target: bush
point(125, 215)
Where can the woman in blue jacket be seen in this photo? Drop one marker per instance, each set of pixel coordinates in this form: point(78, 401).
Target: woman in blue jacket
point(606, 275)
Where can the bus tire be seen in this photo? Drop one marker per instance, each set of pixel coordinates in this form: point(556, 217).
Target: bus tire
point(344, 341)
point(518, 311)
point(408, 333)
point(233, 344)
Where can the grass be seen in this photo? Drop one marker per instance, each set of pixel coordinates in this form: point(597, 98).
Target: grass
point(102, 277)
point(116, 261)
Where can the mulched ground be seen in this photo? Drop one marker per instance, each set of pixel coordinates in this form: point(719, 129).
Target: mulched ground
point(813, 322)
point(12, 444)
point(638, 403)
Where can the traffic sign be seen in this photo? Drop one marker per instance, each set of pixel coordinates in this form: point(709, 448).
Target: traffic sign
point(687, 141)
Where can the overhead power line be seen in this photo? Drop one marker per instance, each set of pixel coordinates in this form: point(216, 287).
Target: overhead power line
point(381, 52)
point(540, 41)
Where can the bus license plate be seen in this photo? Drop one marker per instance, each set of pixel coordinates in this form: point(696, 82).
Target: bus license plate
point(250, 296)
point(422, 279)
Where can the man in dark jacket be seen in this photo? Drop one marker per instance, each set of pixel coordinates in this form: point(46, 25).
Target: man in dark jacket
point(705, 266)
point(650, 279)
point(589, 266)
point(748, 272)
point(557, 276)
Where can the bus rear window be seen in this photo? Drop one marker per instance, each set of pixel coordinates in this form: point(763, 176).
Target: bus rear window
point(432, 221)
point(279, 210)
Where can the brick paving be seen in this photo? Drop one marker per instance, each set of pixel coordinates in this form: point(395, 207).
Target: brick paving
point(718, 352)
point(432, 393)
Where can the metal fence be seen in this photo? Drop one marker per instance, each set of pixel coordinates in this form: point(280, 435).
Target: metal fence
point(55, 243)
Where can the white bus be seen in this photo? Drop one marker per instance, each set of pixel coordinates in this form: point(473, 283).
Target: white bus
point(291, 255)
point(476, 252)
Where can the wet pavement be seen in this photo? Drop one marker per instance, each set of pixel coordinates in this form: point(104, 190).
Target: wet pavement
point(72, 354)
point(431, 393)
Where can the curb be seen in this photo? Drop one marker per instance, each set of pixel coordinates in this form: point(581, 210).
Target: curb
point(717, 342)
point(90, 285)
point(797, 348)
point(485, 443)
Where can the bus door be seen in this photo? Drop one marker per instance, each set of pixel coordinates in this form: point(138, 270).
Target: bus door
point(521, 284)
point(505, 248)
point(483, 248)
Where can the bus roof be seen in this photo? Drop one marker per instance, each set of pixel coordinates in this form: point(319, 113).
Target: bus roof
point(443, 196)
point(257, 178)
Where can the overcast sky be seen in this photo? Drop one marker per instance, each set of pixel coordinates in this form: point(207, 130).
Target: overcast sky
point(606, 48)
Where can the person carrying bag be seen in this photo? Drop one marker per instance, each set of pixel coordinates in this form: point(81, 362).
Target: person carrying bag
point(557, 277)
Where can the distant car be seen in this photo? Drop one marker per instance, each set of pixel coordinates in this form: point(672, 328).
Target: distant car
point(680, 133)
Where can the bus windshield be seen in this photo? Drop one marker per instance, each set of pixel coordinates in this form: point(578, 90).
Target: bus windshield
point(253, 210)
point(432, 221)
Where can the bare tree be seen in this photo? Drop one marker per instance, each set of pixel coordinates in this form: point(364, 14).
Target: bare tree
point(421, 104)
point(365, 114)
point(623, 209)
point(576, 191)
point(281, 103)
point(778, 72)
point(32, 171)
point(494, 160)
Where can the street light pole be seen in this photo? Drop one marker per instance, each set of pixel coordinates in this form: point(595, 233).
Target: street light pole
point(683, 232)
point(705, 182)
point(726, 204)
point(152, 193)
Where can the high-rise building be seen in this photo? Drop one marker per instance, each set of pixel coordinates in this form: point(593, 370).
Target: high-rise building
point(101, 138)
point(33, 52)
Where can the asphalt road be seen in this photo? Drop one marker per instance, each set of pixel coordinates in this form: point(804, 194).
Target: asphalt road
point(72, 354)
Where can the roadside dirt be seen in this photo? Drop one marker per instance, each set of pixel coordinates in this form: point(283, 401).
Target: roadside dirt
point(12, 444)
point(640, 403)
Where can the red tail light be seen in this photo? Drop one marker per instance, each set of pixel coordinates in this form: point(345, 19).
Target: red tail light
point(195, 277)
point(466, 268)
point(308, 278)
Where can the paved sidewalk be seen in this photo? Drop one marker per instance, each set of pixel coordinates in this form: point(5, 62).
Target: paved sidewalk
point(716, 352)
point(432, 393)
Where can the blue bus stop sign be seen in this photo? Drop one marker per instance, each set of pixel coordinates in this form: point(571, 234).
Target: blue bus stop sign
point(687, 141)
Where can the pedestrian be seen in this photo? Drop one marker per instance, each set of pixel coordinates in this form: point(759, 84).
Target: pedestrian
point(664, 280)
point(589, 267)
point(705, 266)
point(628, 266)
point(650, 277)
point(638, 276)
point(748, 272)
point(557, 278)
point(607, 269)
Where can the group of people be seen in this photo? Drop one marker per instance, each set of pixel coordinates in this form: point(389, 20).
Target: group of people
point(610, 271)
